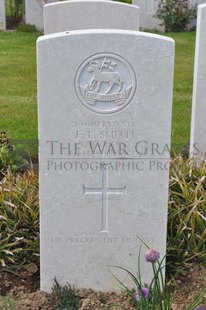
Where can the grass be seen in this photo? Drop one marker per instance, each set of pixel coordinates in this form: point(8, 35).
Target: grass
point(18, 101)
point(183, 85)
point(64, 297)
point(7, 303)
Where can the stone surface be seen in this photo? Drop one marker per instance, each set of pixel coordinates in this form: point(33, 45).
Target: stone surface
point(198, 125)
point(34, 12)
point(148, 9)
point(2, 15)
point(90, 14)
point(193, 23)
point(196, 2)
point(104, 132)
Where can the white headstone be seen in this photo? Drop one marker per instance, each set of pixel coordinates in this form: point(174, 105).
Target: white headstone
point(198, 125)
point(193, 3)
point(148, 9)
point(2, 15)
point(196, 2)
point(104, 132)
point(34, 12)
point(90, 14)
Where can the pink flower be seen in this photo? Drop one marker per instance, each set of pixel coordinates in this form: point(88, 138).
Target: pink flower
point(152, 256)
point(145, 292)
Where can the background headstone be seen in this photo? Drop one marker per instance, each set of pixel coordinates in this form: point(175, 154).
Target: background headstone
point(2, 15)
point(90, 14)
point(198, 2)
point(148, 9)
point(193, 24)
point(198, 125)
point(34, 12)
point(104, 133)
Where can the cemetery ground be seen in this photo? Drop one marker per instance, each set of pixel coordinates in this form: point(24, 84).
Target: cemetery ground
point(19, 212)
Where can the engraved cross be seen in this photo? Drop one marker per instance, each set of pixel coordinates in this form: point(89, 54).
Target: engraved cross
point(104, 191)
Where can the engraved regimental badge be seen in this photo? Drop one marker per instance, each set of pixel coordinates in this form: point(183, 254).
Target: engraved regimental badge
point(105, 83)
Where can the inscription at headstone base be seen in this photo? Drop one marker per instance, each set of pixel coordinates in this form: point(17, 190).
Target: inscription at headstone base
point(198, 124)
point(89, 14)
point(104, 133)
point(2, 15)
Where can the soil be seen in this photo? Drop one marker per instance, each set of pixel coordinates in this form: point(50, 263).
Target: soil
point(24, 286)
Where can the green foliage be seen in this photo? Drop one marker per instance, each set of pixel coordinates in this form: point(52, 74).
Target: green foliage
point(124, 1)
point(64, 297)
point(155, 31)
point(154, 296)
point(175, 14)
point(157, 296)
point(18, 101)
point(19, 219)
point(9, 157)
point(186, 215)
point(14, 12)
point(7, 303)
point(26, 28)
